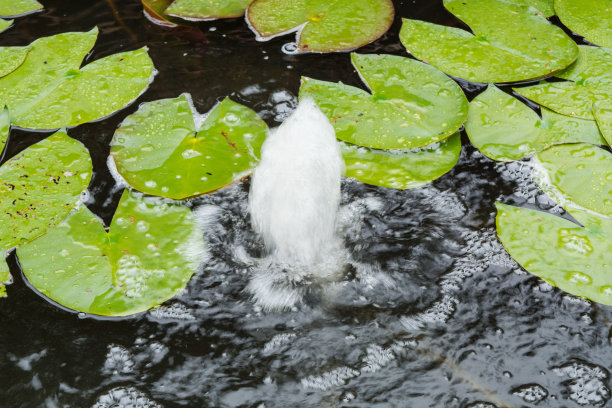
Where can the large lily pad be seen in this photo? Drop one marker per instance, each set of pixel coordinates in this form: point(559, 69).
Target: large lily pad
point(578, 173)
point(147, 256)
point(160, 151)
point(38, 188)
point(322, 25)
point(591, 82)
point(401, 169)
point(505, 129)
point(603, 116)
point(510, 42)
point(412, 105)
point(14, 8)
point(575, 259)
point(207, 10)
point(49, 90)
point(592, 19)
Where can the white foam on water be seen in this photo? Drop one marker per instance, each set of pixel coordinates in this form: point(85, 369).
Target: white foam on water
point(294, 199)
point(125, 397)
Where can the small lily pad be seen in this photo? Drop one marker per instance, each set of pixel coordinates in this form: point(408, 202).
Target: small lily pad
point(402, 169)
point(412, 105)
point(38, 188)
point(147, 256)
point(591, 82)
point(159, 150)
point(322, 25)
point(5, 24)
point(592, 19)
point(578, 173)
point(510, 43)
point(505, 129)
point(15, 8)
point(573, 258)
point(603, 116)
point(207, 10)
point(49, 90)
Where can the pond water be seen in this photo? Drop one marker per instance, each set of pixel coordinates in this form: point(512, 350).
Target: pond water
point(433, 313)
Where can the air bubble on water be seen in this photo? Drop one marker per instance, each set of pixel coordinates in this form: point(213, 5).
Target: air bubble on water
point(334, 378)
point(112, 167)
point(532, 393)
point(125, 397)
point(376, 358)
point(175, 311)
point(278, 341)
point(290, 48)
point(118, 361)
point(587, 384)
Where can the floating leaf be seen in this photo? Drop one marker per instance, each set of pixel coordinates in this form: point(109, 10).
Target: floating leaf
point(322, 25)
point(603, 115)
point(4, 24)
point(510, 43)
point(147, 256)
point(11, 58)
point(575, 259)
point(401, 169)
point(505, 129)
point(39, 187)
point(591, 78)
point(592, 19)
point(412, 104)
point(49, 90)
point(154, 11)
point(546, 7)
point(578, 173)
point(5, 126)
point(14, 8)
point(159, 151)
point(207, 10)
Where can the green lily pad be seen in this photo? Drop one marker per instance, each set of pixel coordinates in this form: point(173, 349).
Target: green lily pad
point(412, 104)
point(402, 169)
point(5, 126)
point(49, 90)
point(603, 116)
point(5, 24)
point(592, 19)
point(39, 187)
point(322, 25)
point(573, 258)
point(147, 256)
point(207, 10)
point(14, 8)
point(578, 173)
point(546, 7)
point(510, 43)
point(160, 151)
point(505, 129)
point(11, 58)
point(591, 82)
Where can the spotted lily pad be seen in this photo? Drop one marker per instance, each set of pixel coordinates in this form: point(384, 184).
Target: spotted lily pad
point(401, 169)
point(322, 25)
point(159, 149)
point(412, 105)
point(39, 187)
point(505, 129)
point(49, 90)
point(510, 42)
point(603, 115)
point(14, 8)
point(147, 256)
point(590, 81)
point(207, 9)
point(592, 19)
point(578, 173)
point(575, 259)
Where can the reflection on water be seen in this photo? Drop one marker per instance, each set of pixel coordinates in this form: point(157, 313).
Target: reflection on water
point(433, 312)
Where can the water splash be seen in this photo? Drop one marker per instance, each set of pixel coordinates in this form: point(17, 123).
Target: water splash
point(294, 198)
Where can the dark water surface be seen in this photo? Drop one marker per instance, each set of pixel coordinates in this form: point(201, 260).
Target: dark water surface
point(437, 314)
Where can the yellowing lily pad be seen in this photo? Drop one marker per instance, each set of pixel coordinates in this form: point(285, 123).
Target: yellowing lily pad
point(49, 90)
point(401, 169)
point(39, 187)
point(322, 25)
point(592, 19)
point(505, 129)
point(578, 173)
point(575, 259)
point(160, 151)
point(510, 42)
point(207, 9)
point(412, 105)
point(590, 82)
point(147, 256)
point(15, 8)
